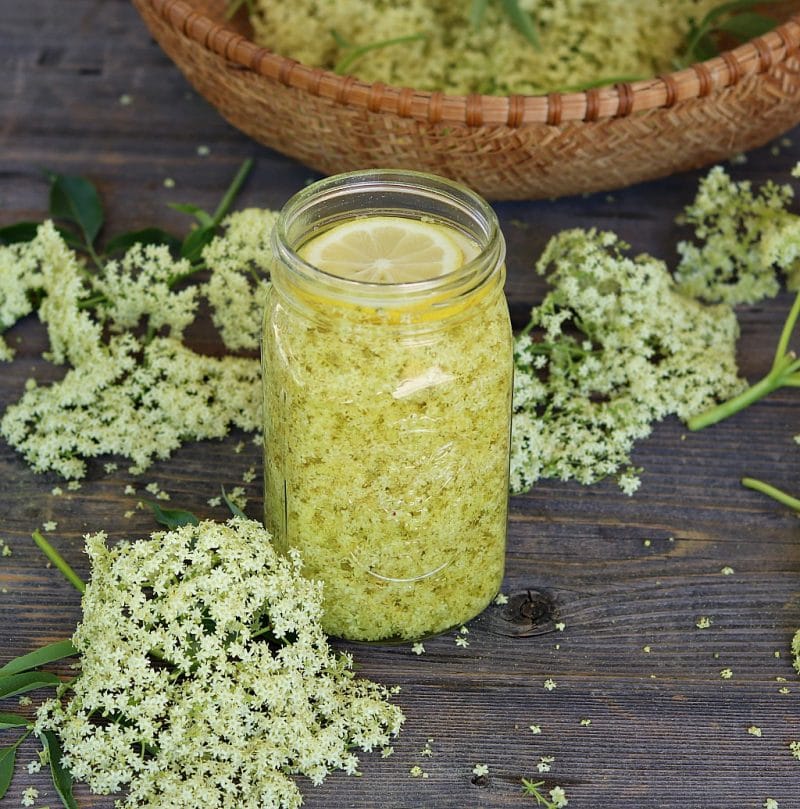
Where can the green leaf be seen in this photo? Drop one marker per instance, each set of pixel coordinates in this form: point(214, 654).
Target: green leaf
point(125, 241)
point(12, 720)
point(76, 200)
point(18, 232)
point(171, 517)
point(340, 41)
point(8, 755)
point(748, 25)
point(699, 44)
point(26, 231)
point(726, 8)
point(62, 777)
point(704, 48)
point(39, 657)
point(203, 217)
point(29, 681)
point(193, 244)
point(235, 5)
point(523, 22)
point(235, 510)
point(477, 11)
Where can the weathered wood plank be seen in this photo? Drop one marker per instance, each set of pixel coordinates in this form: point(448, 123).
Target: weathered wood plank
point(621, 573)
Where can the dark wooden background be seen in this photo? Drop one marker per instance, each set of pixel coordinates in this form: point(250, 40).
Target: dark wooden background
point(621, 573)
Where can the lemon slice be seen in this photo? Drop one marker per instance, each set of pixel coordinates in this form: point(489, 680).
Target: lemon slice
point(386, 250)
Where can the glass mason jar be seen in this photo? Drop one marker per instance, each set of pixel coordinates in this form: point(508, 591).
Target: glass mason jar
point(387, 411)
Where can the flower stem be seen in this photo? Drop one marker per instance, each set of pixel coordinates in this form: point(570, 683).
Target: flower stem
point(764, 386)
point(784, 372)
point(58, 560)
point(356, 53)
point(233, 190)
point(94, 300)
point(786, 333)
point(771, 491)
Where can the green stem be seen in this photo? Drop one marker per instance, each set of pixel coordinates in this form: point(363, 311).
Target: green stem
point(722, 411)
point(784, 372)
point(93, 254)
point(265, 630)
point(233, 190)
point(786, 333)
point(21, 739)
point(90, 303)
point(343, 64)
point(771, 491)
point(58, 560)
point(181, 277)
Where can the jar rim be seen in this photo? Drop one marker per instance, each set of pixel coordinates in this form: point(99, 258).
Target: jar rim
point(367, 192)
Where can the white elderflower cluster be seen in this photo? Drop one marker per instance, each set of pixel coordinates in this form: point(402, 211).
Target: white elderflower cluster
point(138, 393)
point(20, 277)
point(138, 286)
point(46, 266)
point(743, 237)
point(141, 403)
point(240, 261)
point(612, 348)
point(206, 679)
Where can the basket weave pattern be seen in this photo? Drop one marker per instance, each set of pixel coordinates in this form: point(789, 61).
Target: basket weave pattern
point(516, 147)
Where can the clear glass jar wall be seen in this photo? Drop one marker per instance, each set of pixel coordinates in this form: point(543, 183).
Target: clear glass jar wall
point(387, 415)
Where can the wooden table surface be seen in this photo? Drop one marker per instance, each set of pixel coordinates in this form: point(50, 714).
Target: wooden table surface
point(623, 574)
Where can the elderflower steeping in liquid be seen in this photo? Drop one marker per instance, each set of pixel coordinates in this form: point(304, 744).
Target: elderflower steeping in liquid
point(387, 393)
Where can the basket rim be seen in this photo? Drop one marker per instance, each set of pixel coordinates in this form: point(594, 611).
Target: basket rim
point(620, 100)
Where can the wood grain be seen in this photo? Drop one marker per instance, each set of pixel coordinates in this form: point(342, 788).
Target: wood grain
point(621, 573)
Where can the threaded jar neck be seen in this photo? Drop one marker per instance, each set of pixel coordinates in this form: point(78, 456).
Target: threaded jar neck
point(393, 193)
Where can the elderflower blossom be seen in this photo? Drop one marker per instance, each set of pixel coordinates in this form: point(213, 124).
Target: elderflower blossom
point(20, 275)
point(796, 651)
point(206, 647)
point(45, 265)
point(240, 260)
point(135, 396)
point(578, 37)
point(141, 403)
point(743, 236)
point(29, 796)
point(138, 286)
point(612, 348)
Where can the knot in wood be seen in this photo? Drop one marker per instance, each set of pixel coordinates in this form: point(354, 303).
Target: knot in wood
point(528, 612)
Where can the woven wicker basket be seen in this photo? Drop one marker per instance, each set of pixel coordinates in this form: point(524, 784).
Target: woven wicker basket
point(516, 147)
